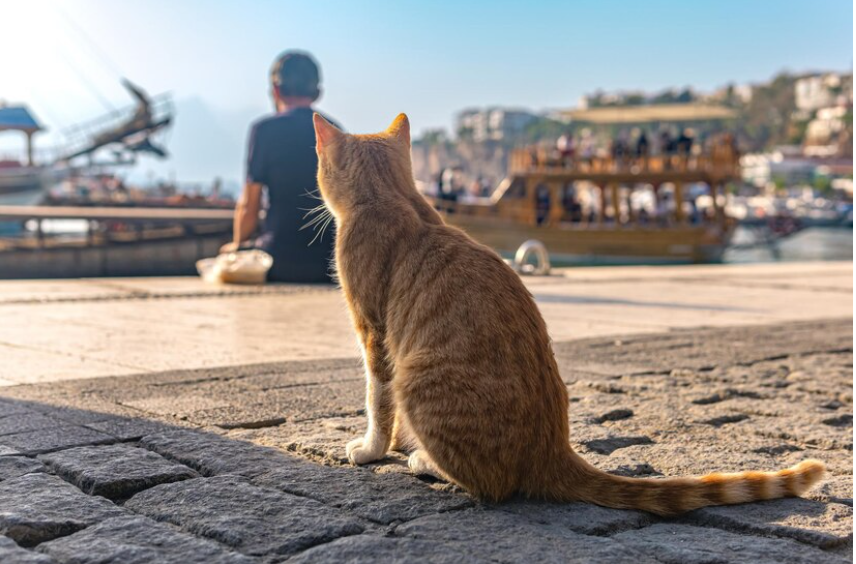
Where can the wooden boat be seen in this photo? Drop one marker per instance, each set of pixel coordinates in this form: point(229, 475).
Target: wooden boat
point(586, 211)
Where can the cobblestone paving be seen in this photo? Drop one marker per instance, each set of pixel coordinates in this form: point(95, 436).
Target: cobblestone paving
point(245, 464)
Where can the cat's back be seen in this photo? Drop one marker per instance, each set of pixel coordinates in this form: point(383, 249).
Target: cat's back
point(455, 287)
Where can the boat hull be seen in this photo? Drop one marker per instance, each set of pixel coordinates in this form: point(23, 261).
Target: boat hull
point(592, 244)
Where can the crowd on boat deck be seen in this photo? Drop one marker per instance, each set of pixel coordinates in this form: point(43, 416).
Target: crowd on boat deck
point(629, 147)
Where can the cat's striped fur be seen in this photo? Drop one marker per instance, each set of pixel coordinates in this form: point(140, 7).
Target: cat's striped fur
point(460, 369)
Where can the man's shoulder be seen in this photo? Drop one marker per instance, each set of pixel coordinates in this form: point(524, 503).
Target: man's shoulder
point(286, 119)
point(269, 122)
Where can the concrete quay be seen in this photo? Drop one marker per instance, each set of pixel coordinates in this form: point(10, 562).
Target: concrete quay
point(162, 420)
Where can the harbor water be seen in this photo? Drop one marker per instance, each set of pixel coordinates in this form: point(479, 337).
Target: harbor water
point(812, 244)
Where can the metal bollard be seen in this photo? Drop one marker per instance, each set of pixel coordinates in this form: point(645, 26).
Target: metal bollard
point(542, 258)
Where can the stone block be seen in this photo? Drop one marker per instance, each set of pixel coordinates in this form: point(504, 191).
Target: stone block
point(382, 498)
point(502, 537)
point(11, 553)
point(35, 508)
point(115, 471)
point(825, 525)
point(672, 543)
point(370, 549)
point(255, 521)
point(14, 466)
point(137, 540)
point(56, 438)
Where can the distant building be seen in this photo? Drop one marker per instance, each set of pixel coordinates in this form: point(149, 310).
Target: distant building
point(784, 163)
point(743, 92)
point(824, 132)
point(820, 91)
point(493, 123)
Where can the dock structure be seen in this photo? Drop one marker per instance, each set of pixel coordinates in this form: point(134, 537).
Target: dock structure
point(117, 241)
point(232, 406)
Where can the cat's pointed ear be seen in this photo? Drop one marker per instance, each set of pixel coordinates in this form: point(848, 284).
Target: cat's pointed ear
point(325, 133)
point(400, 128)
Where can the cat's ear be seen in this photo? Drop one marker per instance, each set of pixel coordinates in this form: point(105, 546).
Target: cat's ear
point(325, 133)
point(400, 128)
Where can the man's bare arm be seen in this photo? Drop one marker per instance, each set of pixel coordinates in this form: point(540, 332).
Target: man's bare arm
point(246, 216)
point(247, 212)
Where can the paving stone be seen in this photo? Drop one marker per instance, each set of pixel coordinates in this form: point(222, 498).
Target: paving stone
point(8, 407)
point(579, 517)
point(610, 445)
point(672, 543)
point(8, 451)
point(14, 466)
point(211, 455)
point(25, 421)
point(826, 525)
point(837, 489)
point(56, 438)
point(369, 549)
point(381, 498)
point(223, 405)
point(502, 537)
point(11, 553)
point(323, 440)
point(126, 429)
point(73, 415)
point(137, 540)
point(115, 471)
point(255, 521)
point(39, 507)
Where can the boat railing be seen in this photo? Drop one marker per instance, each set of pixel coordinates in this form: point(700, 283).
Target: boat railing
point(79, 136)
point(721, 161)
point(105, 225)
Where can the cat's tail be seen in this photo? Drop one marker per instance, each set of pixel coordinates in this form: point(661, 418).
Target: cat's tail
point(580, 481)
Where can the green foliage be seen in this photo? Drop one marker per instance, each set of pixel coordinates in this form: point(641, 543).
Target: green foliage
point(822, 184)
point(544, 128)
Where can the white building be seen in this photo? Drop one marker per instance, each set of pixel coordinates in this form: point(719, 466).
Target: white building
point(784, 163)
point(818, 91)
point(493, 123)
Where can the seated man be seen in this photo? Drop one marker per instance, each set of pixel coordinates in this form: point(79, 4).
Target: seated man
point(281, 158)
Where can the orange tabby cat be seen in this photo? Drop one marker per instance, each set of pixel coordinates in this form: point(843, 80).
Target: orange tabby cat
point(459, 366)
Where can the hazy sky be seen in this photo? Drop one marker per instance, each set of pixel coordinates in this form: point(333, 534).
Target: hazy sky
point(428, 59)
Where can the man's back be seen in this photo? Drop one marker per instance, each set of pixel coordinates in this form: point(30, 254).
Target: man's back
point(282, 157)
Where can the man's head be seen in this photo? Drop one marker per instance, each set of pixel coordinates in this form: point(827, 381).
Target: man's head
point(295, 80)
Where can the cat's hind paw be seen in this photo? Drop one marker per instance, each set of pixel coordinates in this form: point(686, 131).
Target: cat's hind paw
point(421, 465)
point(359, 453)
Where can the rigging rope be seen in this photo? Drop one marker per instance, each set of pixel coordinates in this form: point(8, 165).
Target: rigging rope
point(93, 47)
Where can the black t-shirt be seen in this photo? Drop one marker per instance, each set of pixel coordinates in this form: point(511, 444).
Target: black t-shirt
point(281, 156)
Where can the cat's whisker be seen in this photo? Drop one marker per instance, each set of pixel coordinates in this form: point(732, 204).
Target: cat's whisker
point(320, 232)
point(310, 211)
point(322, 215)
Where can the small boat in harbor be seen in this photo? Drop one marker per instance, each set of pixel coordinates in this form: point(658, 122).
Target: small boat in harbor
point(646, 210)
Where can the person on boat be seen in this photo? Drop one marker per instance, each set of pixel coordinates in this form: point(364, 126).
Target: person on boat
point(642, 148)
point(566, 146)
point(685, 142)
point(281, 160)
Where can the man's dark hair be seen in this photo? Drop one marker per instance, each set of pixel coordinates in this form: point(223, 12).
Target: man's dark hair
point(295, 73)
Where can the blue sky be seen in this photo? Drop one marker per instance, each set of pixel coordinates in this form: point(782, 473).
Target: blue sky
point(428, 59)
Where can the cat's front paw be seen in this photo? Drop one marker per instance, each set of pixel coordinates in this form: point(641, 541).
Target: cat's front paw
point(359, 452)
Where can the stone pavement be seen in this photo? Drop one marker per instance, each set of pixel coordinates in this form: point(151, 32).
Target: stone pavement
point(66, 329)
point(245, 462)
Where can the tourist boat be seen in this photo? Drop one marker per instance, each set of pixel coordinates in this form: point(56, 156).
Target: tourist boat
point(652, 210)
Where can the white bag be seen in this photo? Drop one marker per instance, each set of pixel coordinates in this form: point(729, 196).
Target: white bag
point(241, 267)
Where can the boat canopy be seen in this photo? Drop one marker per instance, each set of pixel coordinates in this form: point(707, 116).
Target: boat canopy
point(18, 118)
point(651, 113)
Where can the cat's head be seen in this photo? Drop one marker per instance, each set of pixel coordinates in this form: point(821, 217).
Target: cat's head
point(358, 170)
